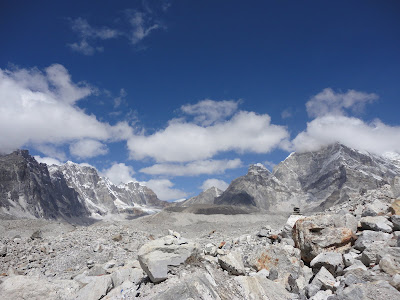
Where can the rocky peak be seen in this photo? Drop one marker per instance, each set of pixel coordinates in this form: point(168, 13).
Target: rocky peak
point(313, 180)
point(205, 197)
point(258, 170)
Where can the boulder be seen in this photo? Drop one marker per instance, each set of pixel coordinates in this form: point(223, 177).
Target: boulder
point(3, 250)
point(95, 289)
point(332, 261)
point(378, 290)
point(395, 281)
point(232, 262)
point(284, 259)
point(288, 228)
point(321, 295)
point(368, 237)
point(349, 258)
point(210, 249)
point(395, 207)
point(324, 280)
point(156, 256)
point(396, 222)
point(375, 208)
point(389, 265)
point(358, 269)
point(378, 223)
point(126, 274)
point(373, 253)
point(261, 288)
point(199, 285)
point(316, 234)
point(36, 288)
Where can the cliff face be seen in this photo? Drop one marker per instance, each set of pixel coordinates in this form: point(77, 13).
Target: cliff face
point(27, 190)
point(313, 180)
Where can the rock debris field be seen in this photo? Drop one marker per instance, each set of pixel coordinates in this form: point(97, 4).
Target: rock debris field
point(349, 252)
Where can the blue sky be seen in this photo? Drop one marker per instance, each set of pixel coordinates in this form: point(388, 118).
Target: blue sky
point(186, 94)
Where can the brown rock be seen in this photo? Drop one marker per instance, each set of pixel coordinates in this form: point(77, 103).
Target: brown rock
point(395, 207)
point(317, 234)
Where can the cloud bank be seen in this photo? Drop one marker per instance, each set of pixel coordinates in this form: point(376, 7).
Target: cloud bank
point(332, 124)
point(39, 109)
point(183, 141)
point(193, 168)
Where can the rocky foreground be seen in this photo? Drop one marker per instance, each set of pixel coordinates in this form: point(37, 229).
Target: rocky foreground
point(351, 251)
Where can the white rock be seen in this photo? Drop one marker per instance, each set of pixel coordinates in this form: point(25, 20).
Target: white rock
point(378, 223)
point(232, 262)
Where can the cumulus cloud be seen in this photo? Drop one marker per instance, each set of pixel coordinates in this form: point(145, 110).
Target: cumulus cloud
point(48, 160)
point(164, 189)
point(213, 182)
point(374, 137)
point(193, 168)
point(182, 141)
point(119, 173)
point(208, 112)
point(331, 102)
point(38, 109)
point(88, 148)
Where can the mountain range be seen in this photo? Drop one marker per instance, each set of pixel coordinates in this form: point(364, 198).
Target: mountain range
point(29, 189)
point(312, 181)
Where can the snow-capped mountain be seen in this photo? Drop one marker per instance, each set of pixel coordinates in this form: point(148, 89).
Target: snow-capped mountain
point(100, 195)
point(29, 189)
point(313, 180)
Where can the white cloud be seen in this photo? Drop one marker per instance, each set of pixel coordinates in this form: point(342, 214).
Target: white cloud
point(330, 102)
point(287, 113)
point(84, 48)
point(213, 182)
point(119, 172)
point(48, 160)
point(374, 137)
point(38, 109)
point(88, 148)
point(142, 25)
point(87, 33)
point(164, 189)
point(182, 141)
point(208, 112)
point(193, 168)
point(120, 99)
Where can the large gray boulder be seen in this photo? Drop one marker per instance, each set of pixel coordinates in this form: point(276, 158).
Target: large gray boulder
point(321, 233)
point(285, 259)
point(258, 287)
point(232, 262)
point(332, 261)
point(324, 280)
point(36, 288)
point(378, 290)
point(368, 237)
point(96, 289)
point(156, 256)
point(378, 223)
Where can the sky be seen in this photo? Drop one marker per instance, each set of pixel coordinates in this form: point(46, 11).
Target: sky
point(185, 95)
